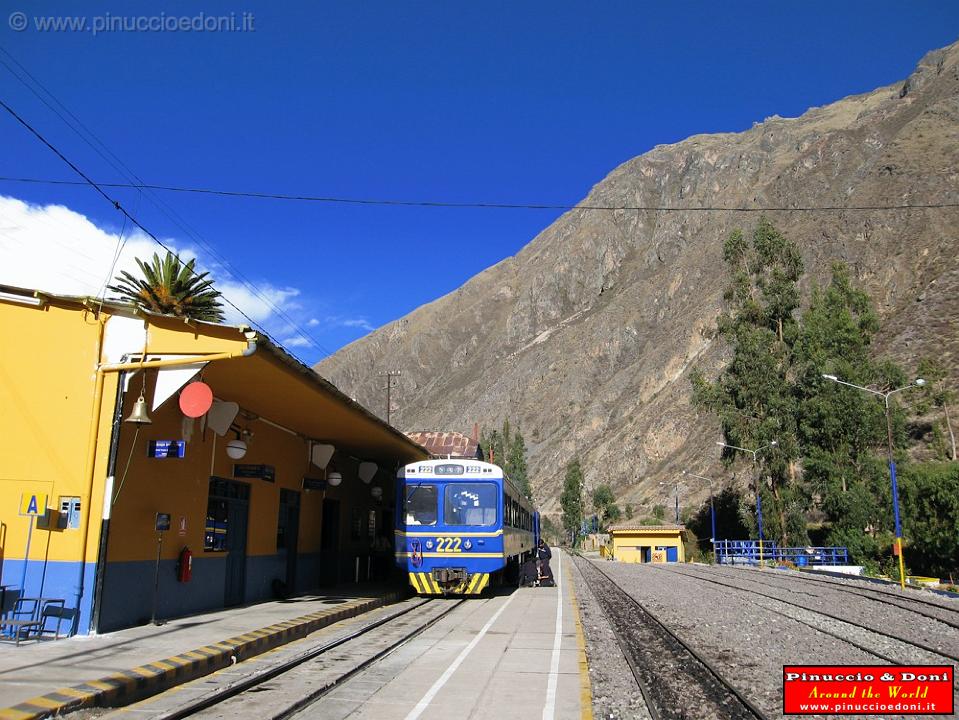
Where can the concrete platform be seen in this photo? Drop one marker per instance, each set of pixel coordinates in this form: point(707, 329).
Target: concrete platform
point(38, 679)
point(520, 654)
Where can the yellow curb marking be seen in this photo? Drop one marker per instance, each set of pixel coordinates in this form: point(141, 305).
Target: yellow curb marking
point(585, 690)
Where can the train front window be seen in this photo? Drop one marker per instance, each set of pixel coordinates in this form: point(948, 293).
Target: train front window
point(471, 504)
point(421, 504)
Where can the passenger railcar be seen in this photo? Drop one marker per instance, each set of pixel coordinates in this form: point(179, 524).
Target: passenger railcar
point(461, 526)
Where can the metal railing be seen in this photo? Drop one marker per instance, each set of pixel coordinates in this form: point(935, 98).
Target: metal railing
point(732, 552)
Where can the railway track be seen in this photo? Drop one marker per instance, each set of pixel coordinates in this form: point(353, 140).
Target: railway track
point(931, 610)
point(676, 682)
point(224, 700)
point(753, 583)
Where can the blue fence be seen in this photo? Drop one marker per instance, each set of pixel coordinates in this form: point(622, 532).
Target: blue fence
point(732, 552)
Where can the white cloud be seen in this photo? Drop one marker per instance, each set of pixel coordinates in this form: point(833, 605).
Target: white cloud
point(297, 341)
point(53, 248)
point(313, 322)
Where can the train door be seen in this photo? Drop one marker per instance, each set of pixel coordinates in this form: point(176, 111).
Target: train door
point(330, 543)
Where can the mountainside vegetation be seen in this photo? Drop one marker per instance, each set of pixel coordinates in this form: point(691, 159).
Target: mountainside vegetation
point(588, 337)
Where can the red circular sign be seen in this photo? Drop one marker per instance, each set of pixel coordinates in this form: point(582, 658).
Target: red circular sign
point(195, 399)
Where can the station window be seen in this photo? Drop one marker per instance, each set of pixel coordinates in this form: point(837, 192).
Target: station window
point(421, 505)
point(471, 504)
point(214, 539)
point(70, 511)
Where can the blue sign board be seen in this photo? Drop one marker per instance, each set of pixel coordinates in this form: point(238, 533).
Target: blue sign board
point(166, 449)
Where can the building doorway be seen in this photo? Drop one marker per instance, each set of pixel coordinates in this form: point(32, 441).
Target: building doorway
point(227, 520)
point(330, 543)
point(288, 532)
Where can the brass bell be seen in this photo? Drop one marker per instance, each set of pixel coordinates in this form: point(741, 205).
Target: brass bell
point(139, 415)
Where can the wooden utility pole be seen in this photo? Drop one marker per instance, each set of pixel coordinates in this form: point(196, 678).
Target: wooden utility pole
point(389, 386)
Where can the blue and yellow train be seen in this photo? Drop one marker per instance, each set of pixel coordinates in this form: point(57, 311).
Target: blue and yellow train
point(461, 526)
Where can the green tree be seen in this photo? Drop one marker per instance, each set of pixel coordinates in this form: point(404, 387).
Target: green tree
point(843, 430)
point(659, 513)
point(628, 511)
point(754, 397)
point(930, 502)
point(571, 499)
point(516, 467)
point(604, 505)
point(171, 287)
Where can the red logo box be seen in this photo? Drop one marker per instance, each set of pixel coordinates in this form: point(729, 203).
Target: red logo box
point(868, 689)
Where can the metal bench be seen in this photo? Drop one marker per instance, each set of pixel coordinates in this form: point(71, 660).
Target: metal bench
point(30, 615)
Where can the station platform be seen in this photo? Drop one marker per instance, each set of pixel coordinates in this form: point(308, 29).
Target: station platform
point(517, 655)
point(41, 678)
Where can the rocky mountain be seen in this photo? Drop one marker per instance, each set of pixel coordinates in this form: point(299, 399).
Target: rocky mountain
point(587, 336)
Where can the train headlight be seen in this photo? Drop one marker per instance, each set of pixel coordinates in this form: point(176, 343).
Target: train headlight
point(468, 544)
point(429, 544)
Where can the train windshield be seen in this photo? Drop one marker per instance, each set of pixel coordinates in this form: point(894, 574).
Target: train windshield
point(470, 504)
point(421, 504)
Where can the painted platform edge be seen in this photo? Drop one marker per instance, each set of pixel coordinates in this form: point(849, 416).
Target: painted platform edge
point(585, 687)
point(129, 686)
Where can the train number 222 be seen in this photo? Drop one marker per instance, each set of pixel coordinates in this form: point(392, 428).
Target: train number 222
point(448, 544)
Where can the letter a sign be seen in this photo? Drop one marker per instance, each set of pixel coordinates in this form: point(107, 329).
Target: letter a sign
point(33, 504)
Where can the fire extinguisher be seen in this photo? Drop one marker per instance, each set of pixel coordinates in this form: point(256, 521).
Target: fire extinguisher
point(184, 567)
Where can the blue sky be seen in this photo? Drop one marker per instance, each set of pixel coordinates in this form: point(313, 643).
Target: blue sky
point(500, 102)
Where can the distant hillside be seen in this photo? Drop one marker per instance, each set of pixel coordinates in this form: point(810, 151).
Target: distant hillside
point(595, 325)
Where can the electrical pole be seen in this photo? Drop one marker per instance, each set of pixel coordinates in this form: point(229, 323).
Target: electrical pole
point(389, 386)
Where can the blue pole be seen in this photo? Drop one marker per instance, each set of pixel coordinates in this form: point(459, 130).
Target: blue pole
point(712, 512)
point(895, 498)
point(26, 559)
point(759, 519)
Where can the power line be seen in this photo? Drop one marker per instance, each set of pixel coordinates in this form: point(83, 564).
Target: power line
point(113, 202)
point(492, 206)
point(93, 141)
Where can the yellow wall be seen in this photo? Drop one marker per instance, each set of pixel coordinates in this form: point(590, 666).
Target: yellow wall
point(47, 366)
point(628, 544)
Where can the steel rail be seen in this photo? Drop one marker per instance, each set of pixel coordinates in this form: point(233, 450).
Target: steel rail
point(864, 592)
point(233, 689)
point(746, 704)
point(831, 616)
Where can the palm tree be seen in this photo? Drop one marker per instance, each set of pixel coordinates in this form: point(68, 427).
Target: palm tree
point(170, 287)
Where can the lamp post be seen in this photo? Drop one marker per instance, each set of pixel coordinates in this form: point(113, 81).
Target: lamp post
point(919, 382)
point(759, 502)
point(677, 499)
point(712, 506)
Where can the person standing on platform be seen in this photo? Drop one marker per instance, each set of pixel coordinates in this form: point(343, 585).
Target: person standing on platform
point(543, 555)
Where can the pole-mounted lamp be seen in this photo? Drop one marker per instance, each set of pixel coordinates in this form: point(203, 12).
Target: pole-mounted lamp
point(759, 502)
point(919, 382)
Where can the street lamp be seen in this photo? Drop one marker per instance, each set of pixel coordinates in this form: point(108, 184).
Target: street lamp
point(759, 502)
point(677, 499)
point(712, 506)
point(919, 382)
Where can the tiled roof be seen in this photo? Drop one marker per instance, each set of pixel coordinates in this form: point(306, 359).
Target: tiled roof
point(637, 526)
point(442, 444)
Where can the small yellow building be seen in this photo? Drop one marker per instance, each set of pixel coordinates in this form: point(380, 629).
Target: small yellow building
point(634, 543)
point(273, 479)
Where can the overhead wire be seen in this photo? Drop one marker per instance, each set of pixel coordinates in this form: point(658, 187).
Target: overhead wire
point(91, 139)
point(493, 205)
point(116, 204)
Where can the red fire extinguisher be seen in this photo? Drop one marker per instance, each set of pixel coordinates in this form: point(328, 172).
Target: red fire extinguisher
point(184, 567)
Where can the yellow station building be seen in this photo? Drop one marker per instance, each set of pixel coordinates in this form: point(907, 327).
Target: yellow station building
point(89, 501)
point(635, 543)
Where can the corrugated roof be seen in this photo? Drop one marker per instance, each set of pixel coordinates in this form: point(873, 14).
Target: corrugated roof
point(441, 444)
